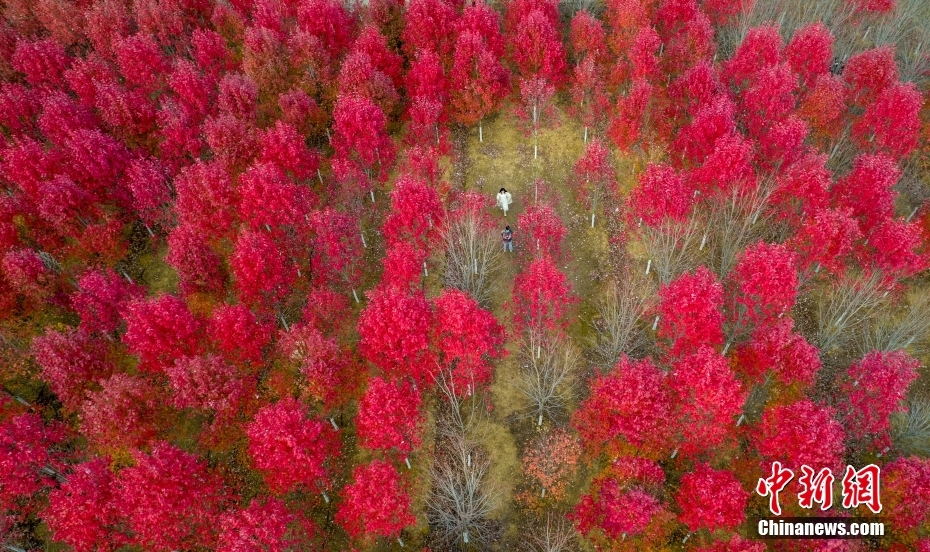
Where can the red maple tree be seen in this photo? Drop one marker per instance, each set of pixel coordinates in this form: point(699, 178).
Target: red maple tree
point(376, 503)
point(170, 500)
point(290, 449)
point(389, 416)
point(711, 499)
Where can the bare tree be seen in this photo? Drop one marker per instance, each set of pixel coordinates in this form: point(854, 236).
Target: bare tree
point(620, 309)
point(473, 255)
point(548, 367)
point(735, 222)
point(556, 536)
point(462, 499)
point(848, 306)
point(911, 429)
point(909, 327)
point(673, 247)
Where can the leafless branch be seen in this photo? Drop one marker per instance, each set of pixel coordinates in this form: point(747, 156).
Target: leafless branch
point(618, 329)
point(673, 247)
point(911, 430)
point(462, 499)
point(548, 366)
point(848, 306)
point(556, 536)
point(473, 255)
point(909, 327)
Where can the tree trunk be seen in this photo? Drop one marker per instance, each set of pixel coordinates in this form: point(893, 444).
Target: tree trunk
point(480, 132)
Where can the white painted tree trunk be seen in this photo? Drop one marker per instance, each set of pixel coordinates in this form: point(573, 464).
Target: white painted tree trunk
point(592, 220)
point(480, 132)
point(365, 245)
point(332, 421)
point(356, 296)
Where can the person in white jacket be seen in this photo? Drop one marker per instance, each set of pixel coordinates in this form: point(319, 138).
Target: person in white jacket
point(504, 199)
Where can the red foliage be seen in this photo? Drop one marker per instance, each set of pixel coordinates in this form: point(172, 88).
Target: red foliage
point(777, 348)
point(588, 38)
point(869, 73)
point(594, 175)
point(626, 127)
point(27, 446)
point(140, 61)
point(800, 433)
point(713, 119)
point(536, 46)
point(690, 314)
point(199, 268)
point(231, 139)
point(283, 146)
point(100, 299)
point(394, 332)
point(330, 22)
point(708, 399)
point(895, 247)
point(426, 78)
point(542, 297)
point(206, 198)
point(266, 524)
point(430, 28)
point(263, 275)
point(823, 105)
point(236, 333)
point(123, 414)
point(484, 21)
point(904, 492)
point(875, 388)
point(403, 266)
point(160, 330)
point(43, 62)
point(727, 168)
point(383, 59)
point(389, 416)
point(766, 277)
point(268, 199)
point(71, 362)
point(760, 49)
point(359, 77)
point(416, 214)
point(326, 371)
point(826, 240)
point(289, 449)
point(544, 228)
point(802, 189)
point(891, 124)
point(338, 249)
point(711, 499)
point(27, 275)
point(362, 145)
point(238, 96)
point(661, 195)
point(208, 383)
point(376, 503)
point(868, 190)
point(479, 82)
point(616, 511)
point(810, 52)
point(631, 402)
point(468, 337)
point(81, 513)
point(148, 184)
point(170, 500)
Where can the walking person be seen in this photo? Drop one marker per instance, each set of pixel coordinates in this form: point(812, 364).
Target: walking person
point(507, 237)
point(504, 199)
